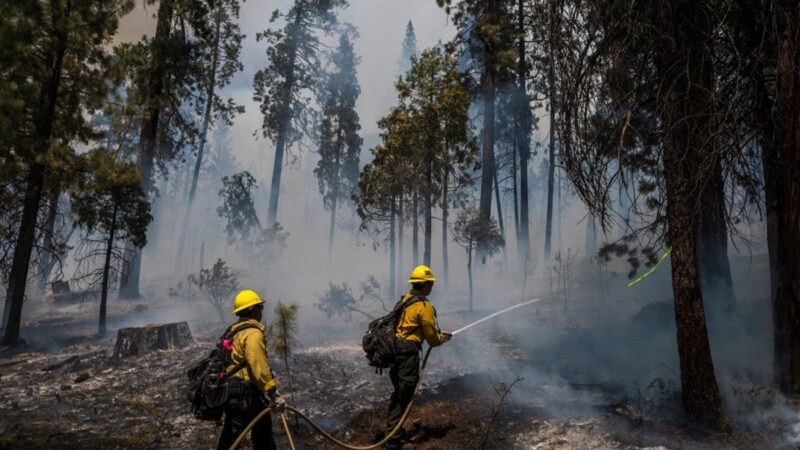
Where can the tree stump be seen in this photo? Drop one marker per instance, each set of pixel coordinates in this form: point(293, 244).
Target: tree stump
point(140, 340)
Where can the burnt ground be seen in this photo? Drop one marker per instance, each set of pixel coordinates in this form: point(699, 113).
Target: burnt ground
point(480, 393)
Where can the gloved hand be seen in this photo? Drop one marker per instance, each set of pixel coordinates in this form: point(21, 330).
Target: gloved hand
point(446, 336)
point(276, 400)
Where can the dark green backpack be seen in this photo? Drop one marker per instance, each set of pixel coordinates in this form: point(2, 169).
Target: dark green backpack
point(379, 341)
point(208, 381)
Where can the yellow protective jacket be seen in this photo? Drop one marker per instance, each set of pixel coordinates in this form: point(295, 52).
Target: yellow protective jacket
point(250, 351)
point(418, 322)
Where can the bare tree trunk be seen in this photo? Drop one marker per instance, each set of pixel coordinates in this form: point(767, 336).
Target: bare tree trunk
point(101, 330)
point(45, 265)
point(426, 258)
point(212, 82)
point(552, 102)
point(786, 295)
point(415, 230)
point(523, 139)
point(686, 68)
point(469, 273)
point(392, 252)
point(712, 246)
point(487, 157)
point(591, 237)
point(335, 192)
point(445, 217)
point(283, 129)
point(34, 185)
point(400, 232)
point(129, 286)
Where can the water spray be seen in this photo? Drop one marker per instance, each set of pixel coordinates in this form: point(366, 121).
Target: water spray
point(502, 311)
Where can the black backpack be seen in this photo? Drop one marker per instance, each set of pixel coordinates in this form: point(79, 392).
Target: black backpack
point(208, 381)
point(379, 341)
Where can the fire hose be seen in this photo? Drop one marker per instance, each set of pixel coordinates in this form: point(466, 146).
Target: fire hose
point(389, 435)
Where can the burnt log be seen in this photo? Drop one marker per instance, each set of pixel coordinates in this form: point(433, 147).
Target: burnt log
point(135, 341)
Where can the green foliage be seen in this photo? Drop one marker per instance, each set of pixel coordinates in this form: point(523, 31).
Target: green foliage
point(424, 138)
point(283, 329)
point(470, 228)
point(409, 49)
point(285, 87)
point(218, 284)
point(109, 197)
point(238, 207)
point(340, 144)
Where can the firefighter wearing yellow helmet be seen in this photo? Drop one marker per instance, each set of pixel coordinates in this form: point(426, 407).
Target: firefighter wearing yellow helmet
point(417, 323)
point(252, 386)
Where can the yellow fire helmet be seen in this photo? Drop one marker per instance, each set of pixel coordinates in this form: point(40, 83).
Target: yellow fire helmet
point(421, 274)
point(245, 299)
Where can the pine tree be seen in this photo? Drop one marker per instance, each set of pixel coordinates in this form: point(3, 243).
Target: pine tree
point(220, 51)
point(53, 65)
point(166, 71)
point(285, 88)
point(409, 49)
point(340, 144)
point(110, 205)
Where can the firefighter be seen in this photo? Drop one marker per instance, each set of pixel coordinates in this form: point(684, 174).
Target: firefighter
point(417, 323)
point(252, 388)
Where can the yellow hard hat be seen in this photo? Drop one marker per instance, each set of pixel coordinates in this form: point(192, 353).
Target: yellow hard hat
point(246, 299)
point(421, 274)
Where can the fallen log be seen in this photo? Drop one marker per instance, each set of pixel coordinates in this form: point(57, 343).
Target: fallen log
point(135, 341)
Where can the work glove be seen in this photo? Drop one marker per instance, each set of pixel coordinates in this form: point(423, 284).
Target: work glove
point(276, 401)
point(446, 336)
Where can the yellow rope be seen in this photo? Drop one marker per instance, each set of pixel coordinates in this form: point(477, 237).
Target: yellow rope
point(327, 435)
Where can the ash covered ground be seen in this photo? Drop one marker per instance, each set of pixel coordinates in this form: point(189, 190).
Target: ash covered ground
point(493, 388)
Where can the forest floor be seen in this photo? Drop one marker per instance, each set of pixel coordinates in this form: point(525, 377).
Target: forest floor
point(72, 394)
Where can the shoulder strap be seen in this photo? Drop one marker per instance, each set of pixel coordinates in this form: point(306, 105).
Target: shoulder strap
point(402, 305)
point(229, 334)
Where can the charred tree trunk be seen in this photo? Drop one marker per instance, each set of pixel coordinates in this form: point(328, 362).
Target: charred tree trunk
point(400, 232)
point(712, 246)
point(45, 262)
point(445, 218)
point(685, 66)
point(101, 330)
point(34, 185)
point(137, 341)
point(212, 82)
point(392, 251)
point(487, 156)
point(415, 229)
point(129, 285)
point(786, 293)
point(469, 273)
point(552, 102)
point(283, 130)
point(523, 138)
point(426, 257)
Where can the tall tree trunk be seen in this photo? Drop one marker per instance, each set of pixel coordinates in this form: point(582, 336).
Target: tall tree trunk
point(685, 66)
point(786, 294)
point(469, 273)
point(335, 192)
point(591, 236)
point(392, 252)
point(487, 156)
point(514, 190)
point(400, 232)
point(552, 102)
point(415, 230)
point(106, 270)
point(34, 185)
point(283, 129)
point(426, 258)
point(45, 265)
point(523, 138)
point(129, 285)
point(212, 82)
point(712, 246)
point(445, 218)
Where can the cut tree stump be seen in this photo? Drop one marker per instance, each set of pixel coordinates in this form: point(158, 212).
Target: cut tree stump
point(140, 340)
